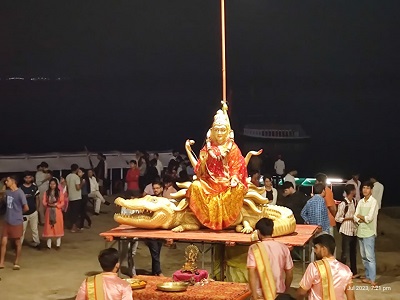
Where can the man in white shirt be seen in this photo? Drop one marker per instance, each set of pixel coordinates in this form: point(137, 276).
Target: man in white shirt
point(279, 167)
point(94, 192)
point(74, 187)
point(377, 191)
point(354, 180)
point(159, 165)
point(366, 217)
point(291, 177)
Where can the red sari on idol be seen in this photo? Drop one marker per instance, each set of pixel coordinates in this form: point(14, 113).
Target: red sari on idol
point(212, 199)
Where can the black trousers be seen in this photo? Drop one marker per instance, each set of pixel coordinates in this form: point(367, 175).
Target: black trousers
point(142, 183)
point(155, 251)
point(83, 212)
point(74, 209)
point(349, 252)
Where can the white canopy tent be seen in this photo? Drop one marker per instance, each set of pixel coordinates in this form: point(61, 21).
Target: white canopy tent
point(62, 161)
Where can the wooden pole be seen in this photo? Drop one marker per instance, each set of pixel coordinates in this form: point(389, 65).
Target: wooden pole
point(223, 51)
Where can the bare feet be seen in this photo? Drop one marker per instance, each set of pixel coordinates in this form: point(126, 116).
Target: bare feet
point(366, 281)
point(356, 276)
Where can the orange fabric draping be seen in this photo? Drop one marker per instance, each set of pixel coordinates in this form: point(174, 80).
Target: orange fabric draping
point(214, 290)
point(212, 199)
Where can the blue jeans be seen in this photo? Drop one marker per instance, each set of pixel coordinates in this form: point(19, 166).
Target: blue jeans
point(367, 250)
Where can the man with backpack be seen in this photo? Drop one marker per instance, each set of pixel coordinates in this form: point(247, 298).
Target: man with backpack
point(348, 228)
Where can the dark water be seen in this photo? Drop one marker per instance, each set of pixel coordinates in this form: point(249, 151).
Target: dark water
point(353, 129)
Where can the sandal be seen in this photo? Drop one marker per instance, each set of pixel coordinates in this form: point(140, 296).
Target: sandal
point(357, 276)
point(16, 268)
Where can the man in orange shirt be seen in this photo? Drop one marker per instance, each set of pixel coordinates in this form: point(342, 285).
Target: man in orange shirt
point(329, 201)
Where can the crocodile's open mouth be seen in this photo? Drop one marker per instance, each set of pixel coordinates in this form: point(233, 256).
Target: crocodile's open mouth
point(148, 214)
point(138, 214)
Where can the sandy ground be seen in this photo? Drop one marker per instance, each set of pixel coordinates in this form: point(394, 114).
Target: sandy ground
point(57, 275)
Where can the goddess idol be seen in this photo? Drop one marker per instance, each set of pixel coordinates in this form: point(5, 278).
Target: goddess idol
point(216, 195)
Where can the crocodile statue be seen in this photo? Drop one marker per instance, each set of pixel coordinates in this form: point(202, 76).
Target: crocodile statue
point(152, 212)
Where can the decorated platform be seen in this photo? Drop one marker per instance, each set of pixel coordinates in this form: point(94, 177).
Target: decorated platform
point(216, 290)
point(300, 238)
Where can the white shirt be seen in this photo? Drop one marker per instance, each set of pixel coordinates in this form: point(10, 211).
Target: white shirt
point(358, 186)
point(290, 178)
point(94, 185)
point(369, 210)
point(159, 167)
point(43, 186)
point(348, 227)
point(377, 193)
point(149, 189)
point(279, 167)
point(274, 196)
point(72, 181)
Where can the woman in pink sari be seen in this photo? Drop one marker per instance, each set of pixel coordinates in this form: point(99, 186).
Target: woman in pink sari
point(53, 201)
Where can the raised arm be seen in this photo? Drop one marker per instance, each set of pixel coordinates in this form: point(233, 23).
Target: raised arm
point(189, 152)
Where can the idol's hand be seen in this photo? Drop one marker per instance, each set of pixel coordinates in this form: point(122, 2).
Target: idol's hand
point(188, 145)
point(234, 181)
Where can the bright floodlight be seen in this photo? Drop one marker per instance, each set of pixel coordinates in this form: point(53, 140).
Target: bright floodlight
point(333, 180)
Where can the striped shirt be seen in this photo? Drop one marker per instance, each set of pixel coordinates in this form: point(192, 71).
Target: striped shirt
point(316, 213)
point(348, 227)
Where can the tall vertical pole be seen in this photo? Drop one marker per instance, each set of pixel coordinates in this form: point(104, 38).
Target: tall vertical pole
point(223, 51)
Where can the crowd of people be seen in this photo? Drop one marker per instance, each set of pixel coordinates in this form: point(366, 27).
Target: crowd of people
point(354, 218)
point(44, 200)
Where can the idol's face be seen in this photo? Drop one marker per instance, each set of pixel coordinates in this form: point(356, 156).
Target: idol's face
point(220, 133)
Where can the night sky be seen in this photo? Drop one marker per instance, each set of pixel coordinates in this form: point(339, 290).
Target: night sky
point(146, 74)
